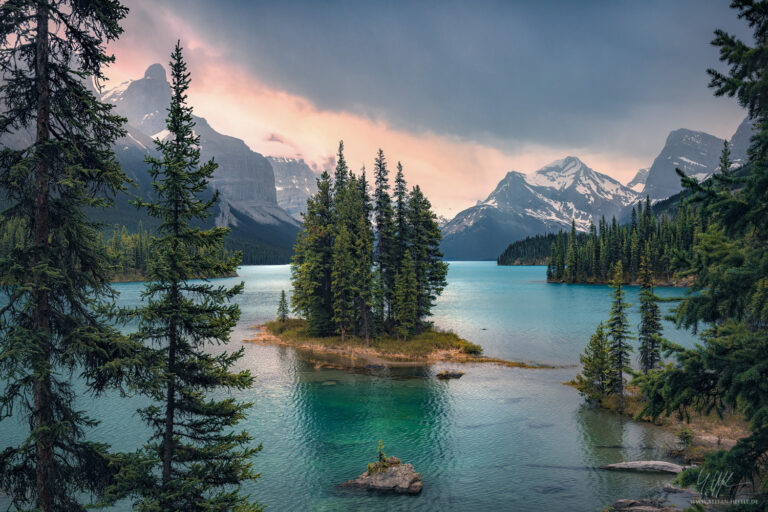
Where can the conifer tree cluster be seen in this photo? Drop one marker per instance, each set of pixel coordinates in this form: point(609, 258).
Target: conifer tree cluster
point(578, 257)
point(367, 264)
point(607, 356)
point(129, 255)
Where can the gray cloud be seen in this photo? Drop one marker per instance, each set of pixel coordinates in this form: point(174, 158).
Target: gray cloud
point(599, 75)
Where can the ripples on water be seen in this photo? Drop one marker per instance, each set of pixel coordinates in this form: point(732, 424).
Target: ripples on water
point(497, 439)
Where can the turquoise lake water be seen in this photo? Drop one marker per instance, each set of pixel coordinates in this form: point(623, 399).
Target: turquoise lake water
point(497, 439)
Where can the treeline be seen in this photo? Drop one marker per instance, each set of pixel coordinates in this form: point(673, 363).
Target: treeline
point(367, 265)
point(590, 258)
point(129, 255)
point(532, 250)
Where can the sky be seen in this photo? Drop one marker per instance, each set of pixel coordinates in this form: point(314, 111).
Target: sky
point(459, 92)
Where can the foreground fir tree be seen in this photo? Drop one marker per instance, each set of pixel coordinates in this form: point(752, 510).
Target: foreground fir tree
point(594, 380)
point(729, 370)
point(195, 461)
point(649, 334)
point(619, 336)
point(57, 277)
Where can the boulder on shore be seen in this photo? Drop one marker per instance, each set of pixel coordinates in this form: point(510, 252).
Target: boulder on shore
point(651, 466)
point(396, 478)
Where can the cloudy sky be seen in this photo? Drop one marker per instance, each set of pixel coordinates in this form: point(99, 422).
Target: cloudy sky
point(460, 92)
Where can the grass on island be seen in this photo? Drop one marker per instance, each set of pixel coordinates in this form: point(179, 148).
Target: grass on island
point(434, 344)
point(417, 346)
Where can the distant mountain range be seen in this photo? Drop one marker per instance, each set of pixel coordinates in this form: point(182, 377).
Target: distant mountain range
point(549, 199)
point(245, 179)
point(524, 205)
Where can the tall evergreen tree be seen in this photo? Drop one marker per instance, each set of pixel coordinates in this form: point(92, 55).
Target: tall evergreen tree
point(57, 276)
point(729, 369)
point(572, 257)
point(594, 380)
point(312, 261)
point(424, 247)
point(341, 173)
point(649, 334)
point(194, 460)
point(385, 234)
point(618, 333)
point(402, 227)
point(363, 258)
point(404, 307)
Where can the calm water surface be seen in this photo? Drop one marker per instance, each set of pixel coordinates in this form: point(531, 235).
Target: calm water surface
point(497, 439)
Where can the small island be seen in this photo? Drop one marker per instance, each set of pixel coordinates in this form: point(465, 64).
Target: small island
point(388, 475)
point(430, 346)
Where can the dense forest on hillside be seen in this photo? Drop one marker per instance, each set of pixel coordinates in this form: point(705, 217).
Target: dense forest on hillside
point(129, 254)
point(588, 257)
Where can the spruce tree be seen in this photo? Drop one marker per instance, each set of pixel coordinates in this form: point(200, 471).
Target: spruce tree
point(729, 369)
point(341, 173)
point(385, 236)
point(402, 226)
point(404, 307)
point(594, 380)
point(282, 307)
point(344, 285)
point(571, 260)
point(194, 460)
point(312, 262)
point(424, 247)
point(56, 276)
point(618, 334)
point(363, 258)
point(649, 334)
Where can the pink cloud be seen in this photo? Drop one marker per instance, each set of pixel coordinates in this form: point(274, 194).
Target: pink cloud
point(454, 172)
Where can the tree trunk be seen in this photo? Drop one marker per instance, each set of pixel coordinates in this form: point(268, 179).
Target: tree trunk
point(43, 415)
point(343, 333)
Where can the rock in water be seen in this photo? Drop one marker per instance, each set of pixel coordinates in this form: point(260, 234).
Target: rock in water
point(397, 478)
point(445, 374)
point(652, 466)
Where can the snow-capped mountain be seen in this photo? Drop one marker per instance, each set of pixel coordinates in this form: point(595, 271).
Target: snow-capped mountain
point(295, 182)
point(523, 205)
point(245, 179)
point(638, 182)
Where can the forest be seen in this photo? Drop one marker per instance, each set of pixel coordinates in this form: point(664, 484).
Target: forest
point(576, 257)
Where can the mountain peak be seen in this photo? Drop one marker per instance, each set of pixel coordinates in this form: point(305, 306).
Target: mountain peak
point(156, 72)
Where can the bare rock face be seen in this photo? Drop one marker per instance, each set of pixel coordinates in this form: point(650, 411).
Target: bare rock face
point(397, 478)
point(651, 466)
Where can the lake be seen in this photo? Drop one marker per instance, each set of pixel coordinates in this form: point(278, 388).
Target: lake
point(497, 439)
